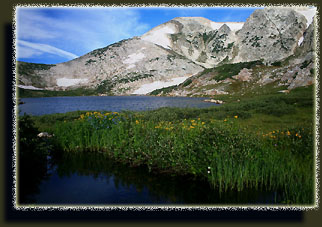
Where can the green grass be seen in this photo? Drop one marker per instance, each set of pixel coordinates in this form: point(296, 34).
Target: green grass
point(259, 142)
point(30, 70)
point(27, 93)
point(228, 70)
point(163, 90)
point(236, 157)
point(26, 68)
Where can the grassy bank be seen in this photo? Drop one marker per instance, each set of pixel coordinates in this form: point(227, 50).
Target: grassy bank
point(257, 142)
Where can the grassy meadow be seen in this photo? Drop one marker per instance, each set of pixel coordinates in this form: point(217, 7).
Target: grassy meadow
point(255, 141)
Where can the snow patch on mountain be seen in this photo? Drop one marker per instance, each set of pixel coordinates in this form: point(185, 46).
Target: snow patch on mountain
point(159, 35)
point(300, 41)
point(130, 66)
point(29, 87)
point(234, 26)
point(309, 14)
point(66, 82)
point(147, 88)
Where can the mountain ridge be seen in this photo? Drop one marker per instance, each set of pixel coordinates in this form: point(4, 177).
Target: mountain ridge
point(177, 50)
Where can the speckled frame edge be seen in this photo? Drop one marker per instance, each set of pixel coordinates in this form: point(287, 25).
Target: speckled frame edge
point(132, 207)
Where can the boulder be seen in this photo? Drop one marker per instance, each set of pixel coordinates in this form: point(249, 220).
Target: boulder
point(44, 135)
point(214, 101)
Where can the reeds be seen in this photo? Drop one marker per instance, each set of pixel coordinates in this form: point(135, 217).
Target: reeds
point(228, 155)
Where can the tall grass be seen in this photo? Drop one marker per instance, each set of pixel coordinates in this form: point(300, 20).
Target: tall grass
point(229, 156)
point(263, 141)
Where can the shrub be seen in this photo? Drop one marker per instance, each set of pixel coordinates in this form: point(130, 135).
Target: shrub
point(32, 159)
point(277, 63)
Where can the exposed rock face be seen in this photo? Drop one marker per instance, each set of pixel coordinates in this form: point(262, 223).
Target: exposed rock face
point(208, 48)
point(184, 47)
point(244, 75)
point(270, 34)
point(308, 44)
point(298, 75)
point(123, 67)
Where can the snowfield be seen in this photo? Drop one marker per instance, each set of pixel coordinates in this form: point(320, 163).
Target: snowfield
point(309, 13)
point(30, 87)
point(65, 82)
point(234, 26)
point(147, 88)
point(159, 35)
point(130, 66)
point(300, 41)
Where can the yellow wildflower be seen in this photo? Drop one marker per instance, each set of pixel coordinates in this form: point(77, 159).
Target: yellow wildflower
point(202, 123)
point(137, 122)
point(192, 127)
point(288, 133)
point(198, 119)
point(192, 120)
point(236, 116)
point(225, 120)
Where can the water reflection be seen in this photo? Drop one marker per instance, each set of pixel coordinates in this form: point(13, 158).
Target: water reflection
point(32, 161)
point(92, 178)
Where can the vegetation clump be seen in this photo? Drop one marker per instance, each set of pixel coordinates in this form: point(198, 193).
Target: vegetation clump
point(163, 90)
point(89, 61)
point(32, 156)
point(131, 78)
point(229, 70)
point(24, 68)
point(29, 70)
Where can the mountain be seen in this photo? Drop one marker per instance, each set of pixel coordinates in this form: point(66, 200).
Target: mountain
point(192, 56)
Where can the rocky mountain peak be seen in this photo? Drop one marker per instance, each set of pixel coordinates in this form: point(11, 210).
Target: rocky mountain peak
point(224, 29)
point(270, 34)
point(181, 48)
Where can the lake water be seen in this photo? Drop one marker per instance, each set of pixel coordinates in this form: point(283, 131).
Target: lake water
point(50, 105)
point(93, 179)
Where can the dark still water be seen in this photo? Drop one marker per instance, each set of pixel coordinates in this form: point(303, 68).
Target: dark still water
point(93, 179)
point(50, 105)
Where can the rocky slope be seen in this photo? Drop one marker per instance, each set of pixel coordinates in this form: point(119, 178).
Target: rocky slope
point(274, 45)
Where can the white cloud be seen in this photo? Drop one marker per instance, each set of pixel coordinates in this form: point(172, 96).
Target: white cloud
point(27, 52)
point(31, 24)
point(30, 49)
point(78, 30)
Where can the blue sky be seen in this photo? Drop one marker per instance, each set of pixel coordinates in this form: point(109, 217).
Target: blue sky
point(54, 35)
